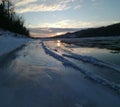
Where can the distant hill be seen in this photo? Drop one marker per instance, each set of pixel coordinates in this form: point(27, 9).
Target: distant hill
point(111, 30)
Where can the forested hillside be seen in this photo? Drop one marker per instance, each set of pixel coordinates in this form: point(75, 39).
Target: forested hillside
point(9, 20)
point(111, 30)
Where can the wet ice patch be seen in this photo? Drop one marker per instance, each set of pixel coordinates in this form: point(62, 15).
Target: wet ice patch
point(88, 74)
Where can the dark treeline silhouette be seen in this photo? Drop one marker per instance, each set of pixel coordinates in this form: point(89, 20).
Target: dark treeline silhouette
point(9, 20)
point(111, 30)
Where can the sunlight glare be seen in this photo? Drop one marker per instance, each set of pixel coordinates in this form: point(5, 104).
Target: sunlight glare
point(59, 33)
point(58, 43)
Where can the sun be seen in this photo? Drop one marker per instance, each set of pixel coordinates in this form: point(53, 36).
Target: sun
point(60, 33)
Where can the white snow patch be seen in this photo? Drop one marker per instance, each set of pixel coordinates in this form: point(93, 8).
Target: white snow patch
point(8, 42)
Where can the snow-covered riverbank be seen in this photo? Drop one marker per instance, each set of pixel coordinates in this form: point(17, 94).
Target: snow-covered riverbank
point(9, 42)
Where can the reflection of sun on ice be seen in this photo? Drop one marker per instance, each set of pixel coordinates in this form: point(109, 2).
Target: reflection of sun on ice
point(58, 43)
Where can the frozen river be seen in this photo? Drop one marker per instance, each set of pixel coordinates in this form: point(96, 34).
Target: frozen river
point(55, 74)
point(103, 62)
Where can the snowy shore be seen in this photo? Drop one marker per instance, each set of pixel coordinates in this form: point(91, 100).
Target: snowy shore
point(9, 42)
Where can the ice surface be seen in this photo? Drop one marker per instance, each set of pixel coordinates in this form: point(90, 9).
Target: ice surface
point(89, 74)
point(93, 60)
point(38, 76)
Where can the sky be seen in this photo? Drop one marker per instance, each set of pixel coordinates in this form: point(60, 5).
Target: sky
point(46, 15)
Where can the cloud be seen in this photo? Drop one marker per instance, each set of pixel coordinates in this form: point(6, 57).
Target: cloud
point(67, 24)
point(74, 24)
point(96, 3)
point(23, 6)
point(78, 7)
point(47, 32)
point(42, 8)
point(61, 27)
point(24, 2)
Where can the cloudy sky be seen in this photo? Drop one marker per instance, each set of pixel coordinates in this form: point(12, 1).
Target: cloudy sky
point(47, 14)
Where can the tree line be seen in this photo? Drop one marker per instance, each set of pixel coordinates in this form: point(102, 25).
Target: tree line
point(9, 20)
